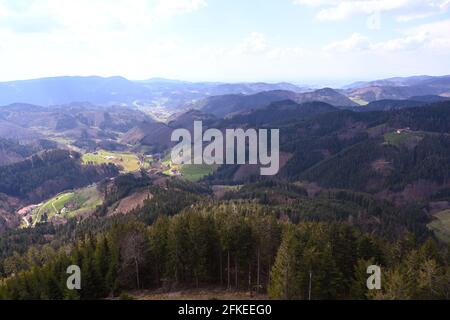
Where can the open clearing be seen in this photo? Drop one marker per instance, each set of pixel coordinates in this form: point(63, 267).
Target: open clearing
point(191, 172)
point(128, 162)
point(441, 225)
point(67, 205)
point(403, 138)
point(195, 172)
point(132, 202)
point(359, 101)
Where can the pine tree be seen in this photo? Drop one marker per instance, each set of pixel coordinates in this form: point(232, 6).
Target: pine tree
point(158, 235)
point(283, 284)
point(358, 287)
point(102, 257)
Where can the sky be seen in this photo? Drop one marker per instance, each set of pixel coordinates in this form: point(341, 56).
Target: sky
point(300, 41)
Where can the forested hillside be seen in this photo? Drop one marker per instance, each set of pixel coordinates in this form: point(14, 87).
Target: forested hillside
point(236, 246)
point(48, 173)
point(362, 151)
point(355, 189)
point(180, 238)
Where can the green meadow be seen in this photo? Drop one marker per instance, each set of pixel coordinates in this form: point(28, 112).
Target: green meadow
point(128, 162)
point(68, 205)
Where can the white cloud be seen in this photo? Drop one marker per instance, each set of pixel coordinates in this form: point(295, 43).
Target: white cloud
point(432, 36)
point(286, 53)
point(136, 40)
point(316, 3)
point(254, 43)
point(3, 10)
point(170, 8)
point(332, 10)
point(84, 37)
point(356, 42)
point(414, 16)
point(346, 9)
point(411, 42)
point(94, 15)
point(437, 34)
point(443, 4)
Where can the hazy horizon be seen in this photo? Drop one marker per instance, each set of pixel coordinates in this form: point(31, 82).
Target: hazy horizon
point(315, 83)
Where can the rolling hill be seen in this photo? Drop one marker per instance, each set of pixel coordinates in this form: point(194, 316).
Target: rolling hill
point(63, 90)
point(386, 105)
point(49, 173)
point(149, 133)
point(401, 155)
point(399, 88)
point(228, 105)
point(25, 122)
point(11, 151)
point(279, 112)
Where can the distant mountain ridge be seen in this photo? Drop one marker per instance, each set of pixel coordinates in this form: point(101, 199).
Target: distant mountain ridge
point(397, 104)
point(280, 112)
point(176, 95)
point(395, 81)
point(228, 105)
point(121, 91)
point(64, 90)
point(399, 88)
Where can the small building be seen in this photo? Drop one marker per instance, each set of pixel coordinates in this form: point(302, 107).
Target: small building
point(25, 211)
point(403, 130)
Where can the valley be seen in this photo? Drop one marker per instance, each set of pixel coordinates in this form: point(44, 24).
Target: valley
point(358, 183)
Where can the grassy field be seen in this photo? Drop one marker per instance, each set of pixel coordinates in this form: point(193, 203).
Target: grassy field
point(441, 225)
point(191, 172)
point(403, 138)
point(75, 203)
point(195, 172)
point(129, 162)
point(359, 101)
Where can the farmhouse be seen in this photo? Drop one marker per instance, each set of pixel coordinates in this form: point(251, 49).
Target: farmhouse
point(403, 130)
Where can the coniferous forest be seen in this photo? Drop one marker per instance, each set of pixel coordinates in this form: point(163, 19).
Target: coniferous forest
point(266, 239)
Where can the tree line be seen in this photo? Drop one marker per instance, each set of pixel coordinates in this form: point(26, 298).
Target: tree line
point(236, 245)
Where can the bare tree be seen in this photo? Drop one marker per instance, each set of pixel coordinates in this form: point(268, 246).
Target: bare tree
point(133, 252)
